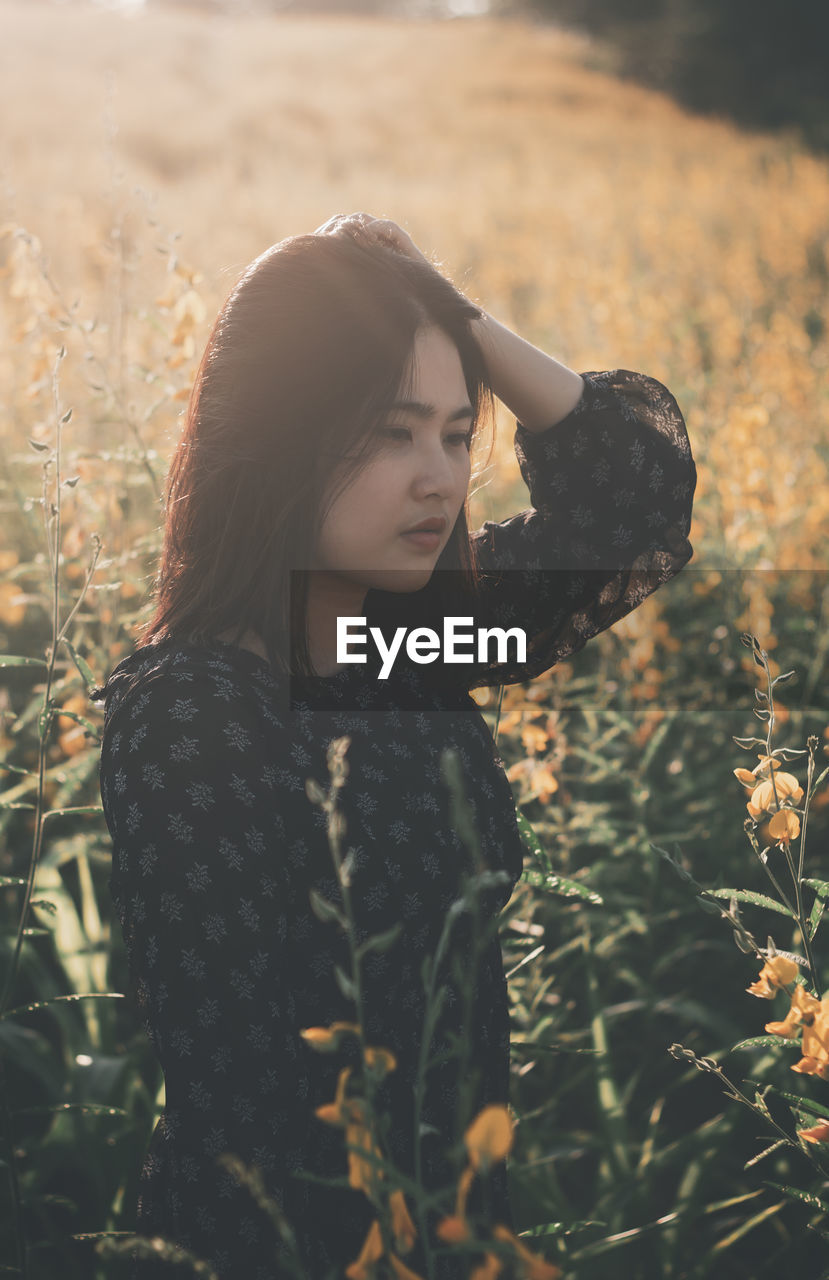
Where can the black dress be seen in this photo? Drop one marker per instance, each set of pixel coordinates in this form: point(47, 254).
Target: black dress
point(216, 847)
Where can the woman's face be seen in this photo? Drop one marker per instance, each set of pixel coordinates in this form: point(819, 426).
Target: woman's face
point(421, 469)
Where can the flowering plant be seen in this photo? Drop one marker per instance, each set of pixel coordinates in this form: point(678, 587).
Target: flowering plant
point(778, 808)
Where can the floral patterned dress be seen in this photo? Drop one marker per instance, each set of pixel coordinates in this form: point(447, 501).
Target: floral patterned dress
point(217, 848)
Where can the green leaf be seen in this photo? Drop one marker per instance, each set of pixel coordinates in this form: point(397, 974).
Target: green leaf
point(781, 1142)
point(807, 1105)
point(818, 908)
point(81, 663)
point(323, 909)
point(711, 907)
point(91, 1108)
point(561, 885)
point(758, 899)
point(805, 1197)
point(46, 905)
point(345, 983)
point(380, 941)
point(529, 838)
point(818, 782)
point(8, 880)
point(43, 1004)
point(79, 808)
point(13, 660)
point(91, 729)
point(764, 1042)
point(820, 887)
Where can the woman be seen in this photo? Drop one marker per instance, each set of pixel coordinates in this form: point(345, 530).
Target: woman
point(333, 411)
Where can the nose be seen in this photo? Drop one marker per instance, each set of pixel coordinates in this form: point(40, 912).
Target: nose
point(436, 474)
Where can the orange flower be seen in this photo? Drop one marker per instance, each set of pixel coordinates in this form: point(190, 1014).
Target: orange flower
point(371, 1252)
point(489, 1137)
point(327, 1039)
point(784, 826)
point(804, 1005)
point(818, 1133)
point(464, 1183)
point(535, 1268)
point(454, 1229)
point(401, 1222)
point(363, 1173)
point(776, 972)
point(749, 778)
point(812, 1067)
point(784, 787)
point(338, 1111)
point(380, 1060)
point(815, 1060)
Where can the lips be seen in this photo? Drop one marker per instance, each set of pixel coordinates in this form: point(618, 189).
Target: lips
point(435, 524)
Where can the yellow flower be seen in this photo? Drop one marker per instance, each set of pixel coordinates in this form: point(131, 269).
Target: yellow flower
point(818, 1133)
point(785, 786)
point(535, 1268)
point(803, 1006)
point(371, 1252)
point(401, 1222)
point(489, 1137)
point(776, 972)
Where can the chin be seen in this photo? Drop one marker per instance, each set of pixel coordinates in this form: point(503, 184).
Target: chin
point(401, 580)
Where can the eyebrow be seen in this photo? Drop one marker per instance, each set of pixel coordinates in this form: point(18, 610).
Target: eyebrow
point(423, 410)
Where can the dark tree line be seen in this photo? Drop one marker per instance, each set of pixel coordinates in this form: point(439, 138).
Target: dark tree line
point(764, 63)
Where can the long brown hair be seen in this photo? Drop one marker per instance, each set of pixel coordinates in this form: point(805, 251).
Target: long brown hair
point(304, 360)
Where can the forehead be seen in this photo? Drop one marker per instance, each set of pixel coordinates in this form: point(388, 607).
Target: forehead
point(436, 365)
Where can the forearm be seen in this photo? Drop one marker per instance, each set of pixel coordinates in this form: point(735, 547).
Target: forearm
point(537, 389)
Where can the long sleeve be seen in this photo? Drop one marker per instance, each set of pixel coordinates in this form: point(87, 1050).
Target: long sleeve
point(203, 895)
point(612, 489)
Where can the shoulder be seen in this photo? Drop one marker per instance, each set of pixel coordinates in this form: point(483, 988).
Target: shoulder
point(170, 685)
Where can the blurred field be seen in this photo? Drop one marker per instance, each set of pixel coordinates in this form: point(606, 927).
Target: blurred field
point(144, 162)
point(595, 217)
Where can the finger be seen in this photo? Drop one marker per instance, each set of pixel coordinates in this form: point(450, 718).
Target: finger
point(341, 222)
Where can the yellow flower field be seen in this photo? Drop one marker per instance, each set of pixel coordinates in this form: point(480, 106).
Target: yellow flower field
point(594, 216)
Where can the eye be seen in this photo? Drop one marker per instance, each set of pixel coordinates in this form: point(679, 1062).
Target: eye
point(394, 433)
point(461, 437)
